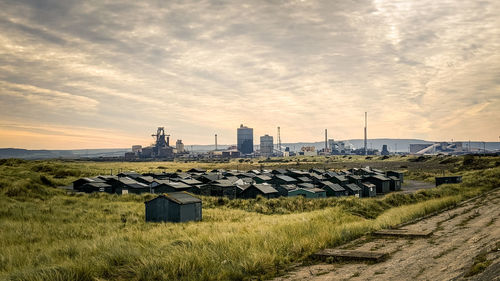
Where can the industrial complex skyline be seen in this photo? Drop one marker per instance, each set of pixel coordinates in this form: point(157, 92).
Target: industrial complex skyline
point(94, 74)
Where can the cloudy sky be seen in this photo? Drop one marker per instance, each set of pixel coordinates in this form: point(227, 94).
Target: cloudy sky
point(100, 74)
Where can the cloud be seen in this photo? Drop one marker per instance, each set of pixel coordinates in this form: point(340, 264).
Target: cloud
point(31, 96)
point(422, 69)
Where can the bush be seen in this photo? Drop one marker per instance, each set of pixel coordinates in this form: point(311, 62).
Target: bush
point(468, 160)
point(44, 180)
point(63, 173)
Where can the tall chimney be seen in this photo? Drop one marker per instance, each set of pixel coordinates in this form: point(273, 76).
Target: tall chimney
point(215, 141)
point(366, 148)
point(326, 140)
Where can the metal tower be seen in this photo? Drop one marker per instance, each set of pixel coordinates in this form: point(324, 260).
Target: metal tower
point(366, 147)
point(162, 140)
point(278, 141)
point(326, 141)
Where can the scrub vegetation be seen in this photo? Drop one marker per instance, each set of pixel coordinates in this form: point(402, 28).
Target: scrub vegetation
point(49, 234)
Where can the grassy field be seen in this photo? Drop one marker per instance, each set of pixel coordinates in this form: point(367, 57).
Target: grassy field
point(46, 234)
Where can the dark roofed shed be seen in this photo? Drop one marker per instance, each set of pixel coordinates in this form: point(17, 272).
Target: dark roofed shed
point(174, 207)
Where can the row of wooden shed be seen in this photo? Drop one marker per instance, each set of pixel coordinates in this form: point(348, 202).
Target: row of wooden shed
point(315, 183)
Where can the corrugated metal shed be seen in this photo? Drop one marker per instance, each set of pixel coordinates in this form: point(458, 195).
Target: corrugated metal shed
point(353, 189)
point(449, 179)
point(333, 189)
point(264, 190)
point(173, 207)
point(286, 179)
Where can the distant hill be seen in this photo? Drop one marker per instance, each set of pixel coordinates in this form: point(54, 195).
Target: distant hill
point(401, 144)
point(64, 154)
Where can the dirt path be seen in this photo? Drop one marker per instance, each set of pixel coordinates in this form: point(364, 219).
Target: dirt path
point(460, 236)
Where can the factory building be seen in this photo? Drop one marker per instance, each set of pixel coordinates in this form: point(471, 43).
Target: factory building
point(437, 147)
point(266, 145)
point(308, 151)
point(414, 148)
point(385, 151)
point(245, 140)
point(179, 146)
point(137, 149)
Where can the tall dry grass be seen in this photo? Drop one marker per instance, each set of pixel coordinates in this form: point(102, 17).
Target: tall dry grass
point(46, 234)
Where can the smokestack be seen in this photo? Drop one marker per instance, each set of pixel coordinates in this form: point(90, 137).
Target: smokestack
point(215, 141)
point(366, 148)
point(278, 142)
point(326, 140)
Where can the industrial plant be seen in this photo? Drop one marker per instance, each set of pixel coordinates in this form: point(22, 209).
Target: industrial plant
point(160, 149)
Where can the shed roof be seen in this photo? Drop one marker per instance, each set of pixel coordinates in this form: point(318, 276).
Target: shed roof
point(163, 181)
point(306, 185)
point(279, 171)
point(265, 188)
point(178, 185)
point(330, 174)
point(379, 177)
point(97, 184)
point(211, 176)
point(263, 177)
point(196, 170)
point(224, 183)
point(190, 181)
point(288, 186)
point(178, 197)
point(315, 190)
point(340, 178)
point(317, 171)
point(368, 184)
point(146, 178)
point(232, 179)
point(353, 187)
point(286, 178)
point(304, 179)
point(333, 186)
point(317, 176)
point(127, 180)
point(89, 180)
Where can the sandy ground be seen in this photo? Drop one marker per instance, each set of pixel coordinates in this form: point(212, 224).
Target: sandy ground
point(459, 236)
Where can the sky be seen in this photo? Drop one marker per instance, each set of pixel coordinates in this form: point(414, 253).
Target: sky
point(106, 74)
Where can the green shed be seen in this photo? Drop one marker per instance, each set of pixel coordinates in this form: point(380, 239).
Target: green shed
point(173, 207)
